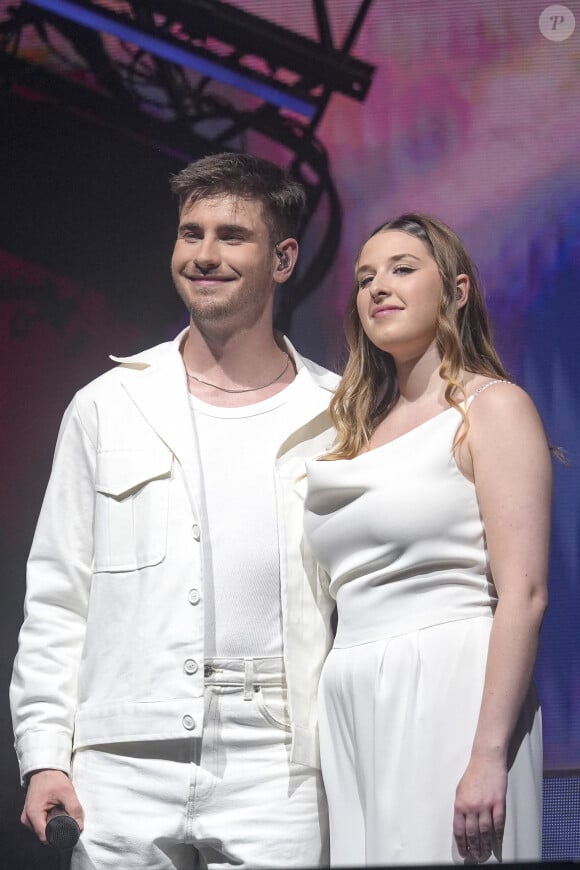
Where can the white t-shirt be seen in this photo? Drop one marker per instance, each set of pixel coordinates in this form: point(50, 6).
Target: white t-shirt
point(238, 447)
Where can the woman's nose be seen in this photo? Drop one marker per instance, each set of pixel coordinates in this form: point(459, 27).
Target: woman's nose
point(378, 289)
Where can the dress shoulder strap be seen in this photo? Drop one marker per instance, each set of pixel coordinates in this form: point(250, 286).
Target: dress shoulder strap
point(485, 386)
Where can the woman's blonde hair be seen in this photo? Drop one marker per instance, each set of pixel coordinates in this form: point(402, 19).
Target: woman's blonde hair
point(369, 388)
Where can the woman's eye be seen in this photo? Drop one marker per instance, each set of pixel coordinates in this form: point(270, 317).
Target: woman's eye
point(403, 270)
point(364, 281)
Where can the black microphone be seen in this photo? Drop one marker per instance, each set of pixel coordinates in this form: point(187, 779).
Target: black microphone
point(62, 831)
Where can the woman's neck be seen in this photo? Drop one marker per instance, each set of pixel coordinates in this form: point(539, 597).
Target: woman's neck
point(419, 378)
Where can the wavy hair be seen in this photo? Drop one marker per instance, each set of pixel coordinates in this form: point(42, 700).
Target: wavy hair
point(369, 388)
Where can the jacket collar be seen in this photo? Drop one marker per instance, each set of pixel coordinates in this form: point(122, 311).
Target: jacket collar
point(157, 355)
point(157, 383)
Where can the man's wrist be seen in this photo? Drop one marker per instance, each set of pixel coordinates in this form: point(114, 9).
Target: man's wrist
point(28, 776)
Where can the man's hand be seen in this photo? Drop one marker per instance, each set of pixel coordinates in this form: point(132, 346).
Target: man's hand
point(48, 789)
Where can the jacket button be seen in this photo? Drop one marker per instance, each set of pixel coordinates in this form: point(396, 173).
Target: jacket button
point(190, 666)
point(193, 596)
point(188, 722)
point(196, 532)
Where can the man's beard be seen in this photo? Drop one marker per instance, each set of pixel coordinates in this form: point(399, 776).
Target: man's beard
point(210, 310)
point(247, 308)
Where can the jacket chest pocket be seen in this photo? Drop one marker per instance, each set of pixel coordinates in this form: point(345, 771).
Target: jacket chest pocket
point(131, 509)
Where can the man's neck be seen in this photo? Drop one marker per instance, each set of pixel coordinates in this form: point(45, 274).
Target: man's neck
point(237, 369)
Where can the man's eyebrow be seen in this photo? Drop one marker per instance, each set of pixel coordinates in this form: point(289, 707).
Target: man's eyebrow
point(394, 259)
point(222, 229)
point(236, 229)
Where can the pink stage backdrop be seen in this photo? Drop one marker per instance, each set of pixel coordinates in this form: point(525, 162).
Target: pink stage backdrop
point(473, 115)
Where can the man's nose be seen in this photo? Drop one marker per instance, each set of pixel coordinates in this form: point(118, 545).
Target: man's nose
point(206, 254)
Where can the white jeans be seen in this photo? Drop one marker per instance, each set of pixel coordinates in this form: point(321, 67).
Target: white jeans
point(230, 799)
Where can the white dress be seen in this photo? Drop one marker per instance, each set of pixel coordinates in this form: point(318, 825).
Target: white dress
point(399, 532)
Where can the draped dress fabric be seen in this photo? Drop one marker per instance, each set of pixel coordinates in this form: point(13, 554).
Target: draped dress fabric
point(399, 532)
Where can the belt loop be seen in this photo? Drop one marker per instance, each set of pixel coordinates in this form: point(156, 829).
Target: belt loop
point(248, 679)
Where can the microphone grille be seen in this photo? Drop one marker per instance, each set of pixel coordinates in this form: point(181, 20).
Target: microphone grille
point(62, 832)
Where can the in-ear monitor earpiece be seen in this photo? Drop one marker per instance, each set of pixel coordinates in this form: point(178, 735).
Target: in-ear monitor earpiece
point(283, 257)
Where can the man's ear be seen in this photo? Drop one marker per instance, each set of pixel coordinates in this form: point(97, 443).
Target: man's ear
point(463, 288)
point(285, 257)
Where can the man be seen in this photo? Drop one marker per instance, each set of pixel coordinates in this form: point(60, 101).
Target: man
point(175, 621)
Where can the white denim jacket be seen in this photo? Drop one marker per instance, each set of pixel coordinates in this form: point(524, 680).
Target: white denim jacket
point(114, 602)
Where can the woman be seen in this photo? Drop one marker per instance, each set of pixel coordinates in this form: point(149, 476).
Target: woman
point(432, 520)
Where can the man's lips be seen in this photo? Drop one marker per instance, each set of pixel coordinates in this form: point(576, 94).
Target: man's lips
point(209, 279)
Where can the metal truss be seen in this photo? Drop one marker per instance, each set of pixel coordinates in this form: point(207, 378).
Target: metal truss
point(195, 77)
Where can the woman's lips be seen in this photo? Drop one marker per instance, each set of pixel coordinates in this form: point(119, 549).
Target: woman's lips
point(385, 310)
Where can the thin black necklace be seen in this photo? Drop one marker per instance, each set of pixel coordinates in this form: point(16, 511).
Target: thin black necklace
point(193, 377)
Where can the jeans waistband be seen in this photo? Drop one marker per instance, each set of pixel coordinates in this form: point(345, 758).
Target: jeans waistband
point(247, 673)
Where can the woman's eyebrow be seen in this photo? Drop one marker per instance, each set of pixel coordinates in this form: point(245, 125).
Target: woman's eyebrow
point(394, 259)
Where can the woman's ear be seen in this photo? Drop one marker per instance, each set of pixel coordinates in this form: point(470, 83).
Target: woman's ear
point(463, 287)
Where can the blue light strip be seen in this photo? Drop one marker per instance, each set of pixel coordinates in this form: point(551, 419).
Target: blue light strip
point(175, 54)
